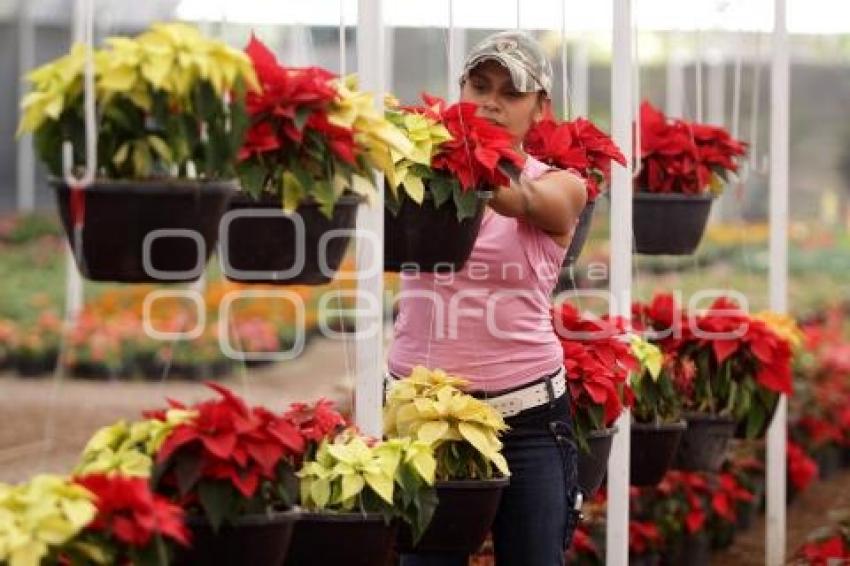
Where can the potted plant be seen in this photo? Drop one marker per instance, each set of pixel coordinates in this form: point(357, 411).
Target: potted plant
point(8, 335)
point(357, 489)
point(577, 146)
point(802, 470)
point(656, 412)
point(645, 541)
point(170, 107)
point(94, 349)
point(91, 519)
point(598, 359)
point(471, 472)
point(36, 350)
point(683, 166)
point(434, 199)
point(306, 151)
point(826, 545)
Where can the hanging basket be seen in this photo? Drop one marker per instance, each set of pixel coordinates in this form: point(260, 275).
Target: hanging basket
point(565, 279)
point(253, 539)
point(669, 223)
point(260, 243)
point(462, 519)
point(653, 447)
point(174, 220)
point(352, 539)
point(704, 442)
point(429, 239)
point(593, 463)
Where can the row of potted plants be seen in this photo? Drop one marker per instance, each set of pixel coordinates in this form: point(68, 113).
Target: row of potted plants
point(223, 482)
point(199, 142)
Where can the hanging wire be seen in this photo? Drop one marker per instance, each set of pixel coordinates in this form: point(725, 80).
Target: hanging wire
point(637, 162)
point(564, 83)
point(342, 46)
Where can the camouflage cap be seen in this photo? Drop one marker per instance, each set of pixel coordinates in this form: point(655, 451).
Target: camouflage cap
point(520, 53)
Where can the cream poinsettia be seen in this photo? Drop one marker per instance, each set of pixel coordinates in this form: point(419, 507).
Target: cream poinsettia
point(44, 513)
point(129, 449)
point(464, 431)
point(649, 355)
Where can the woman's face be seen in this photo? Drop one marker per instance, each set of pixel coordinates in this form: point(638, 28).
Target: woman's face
point(489, 85)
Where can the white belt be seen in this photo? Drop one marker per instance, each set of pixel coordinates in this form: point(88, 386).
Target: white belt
point(513, 403)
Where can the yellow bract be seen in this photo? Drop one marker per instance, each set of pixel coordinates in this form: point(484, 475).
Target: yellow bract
point(430, 406)
point(783, 325)
point(649, 355)
point(128, 449)
point(46, 511)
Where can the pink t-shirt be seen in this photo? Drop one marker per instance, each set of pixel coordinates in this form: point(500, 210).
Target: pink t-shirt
point(490, 321)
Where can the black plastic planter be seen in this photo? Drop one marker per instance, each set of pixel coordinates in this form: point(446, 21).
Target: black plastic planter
point(462, 519)
point(828, 458)
point(653, 449)
point(352, 539)
point(576, 247)
point(36, 366)
point(175, 220)
point(429, 239)
point(593, 463)
point(690, 550)
point(646, 559)
point(260, 243)
point(669, 223)
point(263, 540)
point(704, 442)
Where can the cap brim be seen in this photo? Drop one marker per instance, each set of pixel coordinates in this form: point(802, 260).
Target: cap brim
point(505, 61)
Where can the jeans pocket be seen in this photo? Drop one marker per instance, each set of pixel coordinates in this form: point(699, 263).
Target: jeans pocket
point(564, 438)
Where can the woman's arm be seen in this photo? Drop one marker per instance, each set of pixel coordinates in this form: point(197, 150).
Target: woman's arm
point(552, 202)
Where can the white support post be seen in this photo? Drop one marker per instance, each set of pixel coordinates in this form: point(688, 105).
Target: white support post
point(370, 348)
point(456, 50)
point(617, 523)
point(675, 95)
point(26, 61)
point(778, 274)
point(579, 79)
point(716, 88)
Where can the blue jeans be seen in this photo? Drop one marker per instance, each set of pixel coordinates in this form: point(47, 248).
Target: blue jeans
point(535, 521)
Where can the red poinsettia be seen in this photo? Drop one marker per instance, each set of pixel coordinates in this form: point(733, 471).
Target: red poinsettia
point(643, 537)
point(727, 494)
point(130, 513)
point(230, 442)
point(662, 321)
point(680, 156)
point(802, 470)
point(316, 422)
point(477, 146)
point(598, 360)
point(578, 145)
point(692, 490)
point(825, 551)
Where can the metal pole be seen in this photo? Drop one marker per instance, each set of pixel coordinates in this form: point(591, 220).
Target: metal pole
point(617, 525)
point(778, 274)
point(26, 61)
point(370, 349)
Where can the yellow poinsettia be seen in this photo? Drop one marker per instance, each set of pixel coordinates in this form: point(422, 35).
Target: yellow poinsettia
point(48, 511)
point(129, 449)
point(52, 85)
point(430, 407)
point(783, 325)
point(649, 355)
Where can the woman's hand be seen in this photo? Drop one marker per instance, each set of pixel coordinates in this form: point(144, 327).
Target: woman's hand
point(553, 202)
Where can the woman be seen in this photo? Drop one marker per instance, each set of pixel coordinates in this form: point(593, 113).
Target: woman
point(490, 322)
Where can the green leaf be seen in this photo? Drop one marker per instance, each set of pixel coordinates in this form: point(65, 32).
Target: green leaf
point(301, 117)
point(217, 499)
point(442, 188)
point(188, 470)
point(252, 177)
point(324, 194)
point(293, 191)
point(467, 204)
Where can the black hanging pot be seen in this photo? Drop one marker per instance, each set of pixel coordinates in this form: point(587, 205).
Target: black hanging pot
point(352, 539)
point(593, 463)
point(645, 559)
point(691, 549)
point(462, 519)
point(174, 220)
point(653, 447)
point(429, 239)
point(576, 247)
point(253, 539)
point(704, 442)
point(260, 243)
point(669, 223)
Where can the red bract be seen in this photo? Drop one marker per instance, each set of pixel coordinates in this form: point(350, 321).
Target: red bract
point(825, 552)
point(597, 361)
point(317, 422)
point(577, 145)
point(679, 156)
point(801, 468)
point(727, 495)
point(692, 490)
point(820, 431)
point(477, 145)
point(128, 511)
point(235, 443)
point(583, 543)
point(662, 321)
point(643, 537)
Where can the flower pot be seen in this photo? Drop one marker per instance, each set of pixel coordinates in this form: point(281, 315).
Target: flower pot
point(95, 371)
point(669, 223)
point(693, 550)
point(703, 444)
point(828, 459)
point(593, 463)
point(645, 559)
point(462, 519)
point(748, 510)
point(576, 247)
point(429, 239)
point(262, 244)
point(36, 366)
point(352, 539)
point(253, 539)
point(121, 216)
point(845, 457)
point(653, 447)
